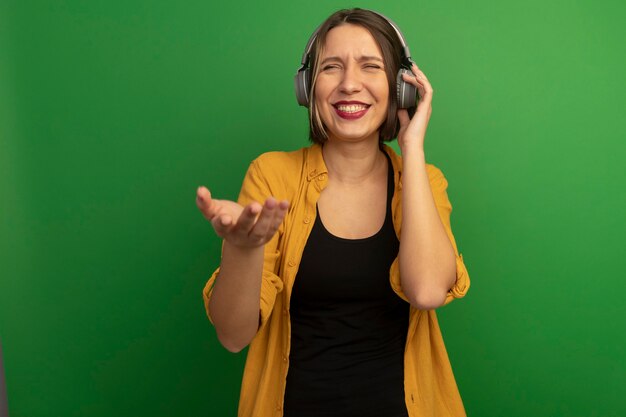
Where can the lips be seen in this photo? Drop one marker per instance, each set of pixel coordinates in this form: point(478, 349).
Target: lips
point(350, 109)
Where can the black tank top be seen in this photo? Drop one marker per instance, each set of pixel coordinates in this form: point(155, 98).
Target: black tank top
point(348, 327)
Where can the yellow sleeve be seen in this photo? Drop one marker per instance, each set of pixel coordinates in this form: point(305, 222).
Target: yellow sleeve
point(438, 185)
point(257, 188)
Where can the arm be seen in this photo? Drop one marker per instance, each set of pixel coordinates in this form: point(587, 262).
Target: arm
point(427, 258)
point(234, 294)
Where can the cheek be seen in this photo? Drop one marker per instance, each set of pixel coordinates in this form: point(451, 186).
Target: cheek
point(323, 112)
point(384, 93)
point(321, 88)
point(322, 91)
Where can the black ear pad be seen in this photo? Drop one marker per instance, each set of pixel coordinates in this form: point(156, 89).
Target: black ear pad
point(407, 93)
point(302, 82)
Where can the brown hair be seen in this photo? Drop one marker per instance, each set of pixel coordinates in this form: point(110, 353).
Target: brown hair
point(387, 39)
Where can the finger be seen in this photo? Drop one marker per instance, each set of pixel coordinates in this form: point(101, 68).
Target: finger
point(202, 194)
point(205, 203)
point(418, 72)
point(411, 79)
point(423, 82)
point(418, 76)
point(222, 224)
point(403, 117)
point(259, 231)
point(422, 93)
point(248, 217)
point(281, 212)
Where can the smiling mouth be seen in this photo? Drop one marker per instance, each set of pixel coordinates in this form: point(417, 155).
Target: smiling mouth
point(351, 108)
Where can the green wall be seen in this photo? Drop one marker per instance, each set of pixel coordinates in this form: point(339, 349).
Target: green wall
point(112, 113)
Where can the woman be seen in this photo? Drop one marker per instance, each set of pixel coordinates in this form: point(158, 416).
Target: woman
point(336, 255)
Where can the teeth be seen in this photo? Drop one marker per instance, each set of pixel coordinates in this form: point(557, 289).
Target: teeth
point(352, 108)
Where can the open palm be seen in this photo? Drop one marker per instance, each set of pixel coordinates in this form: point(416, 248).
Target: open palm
point(250, 226)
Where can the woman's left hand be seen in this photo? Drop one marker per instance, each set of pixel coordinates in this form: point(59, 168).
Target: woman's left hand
point(413, 130)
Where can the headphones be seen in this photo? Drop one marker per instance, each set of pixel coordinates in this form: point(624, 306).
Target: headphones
point(407, 93)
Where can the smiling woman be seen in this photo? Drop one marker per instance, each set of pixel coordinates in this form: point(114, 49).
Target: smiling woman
point(351, 87)
point(336, 255)
point(387, 52)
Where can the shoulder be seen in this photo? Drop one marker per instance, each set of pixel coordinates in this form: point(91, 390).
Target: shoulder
point(278, 164)
point(279, 172)
point(280, 159)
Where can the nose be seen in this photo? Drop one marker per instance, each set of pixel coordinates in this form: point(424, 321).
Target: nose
point(351, 81)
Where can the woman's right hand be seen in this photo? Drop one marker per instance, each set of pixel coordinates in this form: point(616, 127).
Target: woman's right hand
point(245, 227)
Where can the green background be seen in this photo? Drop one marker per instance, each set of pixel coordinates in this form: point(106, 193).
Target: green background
point(113, 112)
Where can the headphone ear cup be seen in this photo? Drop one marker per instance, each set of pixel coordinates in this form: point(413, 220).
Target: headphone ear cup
point(302, 83)
point(407, 93)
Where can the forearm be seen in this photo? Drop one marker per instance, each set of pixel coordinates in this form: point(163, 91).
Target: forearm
point(427, 260)
point(235, 300)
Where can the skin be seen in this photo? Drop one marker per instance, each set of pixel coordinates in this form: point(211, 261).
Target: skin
point(235, 303)
point(353, 203)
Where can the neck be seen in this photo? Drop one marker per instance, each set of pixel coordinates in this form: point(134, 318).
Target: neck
point(354, 162)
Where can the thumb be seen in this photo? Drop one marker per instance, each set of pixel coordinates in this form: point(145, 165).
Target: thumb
point(204, 202)
point(403, 117)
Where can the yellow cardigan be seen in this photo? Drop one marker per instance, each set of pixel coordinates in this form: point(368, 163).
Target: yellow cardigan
point(299, 177)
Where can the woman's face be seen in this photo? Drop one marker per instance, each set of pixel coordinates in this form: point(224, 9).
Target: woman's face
point(351, 91)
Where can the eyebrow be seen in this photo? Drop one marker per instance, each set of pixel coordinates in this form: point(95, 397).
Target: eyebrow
point(360, 59)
